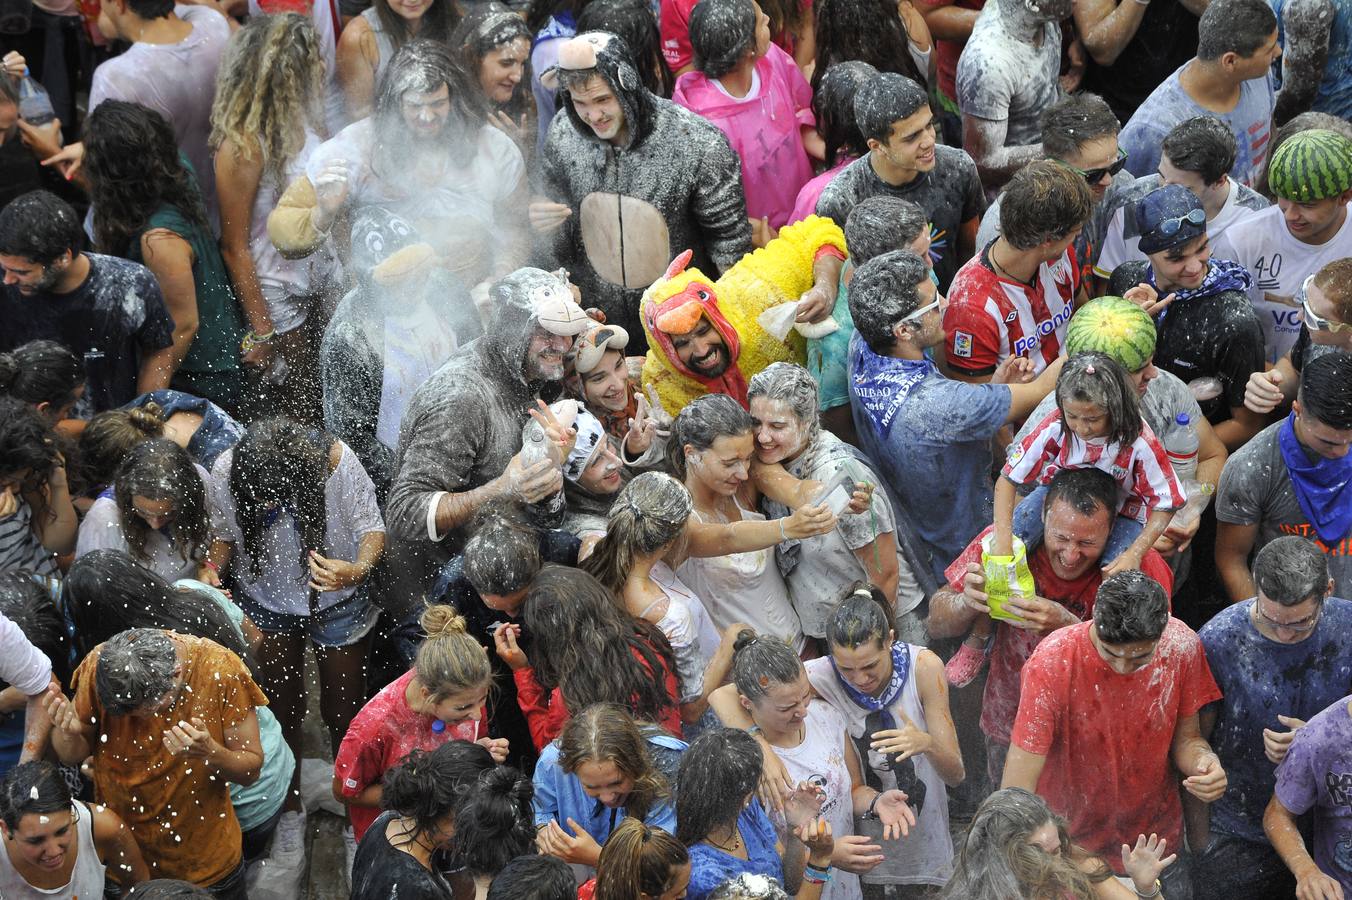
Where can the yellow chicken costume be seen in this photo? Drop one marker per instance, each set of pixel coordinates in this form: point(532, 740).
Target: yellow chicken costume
point(780, 272)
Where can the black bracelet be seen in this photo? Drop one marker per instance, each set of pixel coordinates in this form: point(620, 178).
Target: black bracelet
point(869, 813)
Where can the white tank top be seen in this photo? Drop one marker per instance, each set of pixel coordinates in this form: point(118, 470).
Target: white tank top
point(926, 855)
point(686, 625)
point(277, 275)
point(745, 587)
point(86, 879)
point(820, 759)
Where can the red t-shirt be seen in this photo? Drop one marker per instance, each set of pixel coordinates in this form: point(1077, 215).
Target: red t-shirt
point(990, 318)
point(1107, 737)
point(1014, 645)
point(546, 716)
point(675, 21)
point(380, 736)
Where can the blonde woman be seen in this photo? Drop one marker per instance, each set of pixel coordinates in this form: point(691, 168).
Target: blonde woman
point(265, 123)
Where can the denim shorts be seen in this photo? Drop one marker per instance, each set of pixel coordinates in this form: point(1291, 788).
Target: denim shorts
point(340, 625)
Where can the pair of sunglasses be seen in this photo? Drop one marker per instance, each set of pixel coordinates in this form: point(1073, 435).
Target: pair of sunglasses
point(1094, 176)
point(1170, 227)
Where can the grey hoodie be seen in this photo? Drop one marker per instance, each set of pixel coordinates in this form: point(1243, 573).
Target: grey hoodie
point(676, 168)
point(461, 429)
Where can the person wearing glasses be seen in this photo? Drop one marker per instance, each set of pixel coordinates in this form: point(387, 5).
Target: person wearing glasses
point(1080, 132)
point(1295, 477)
point(1327, 308)
point(1237, 43)
point(1205, 324)
point(929, 436)
point(1015, 297)
point(1306, 229)
point(1293, 626)
point(1198, 154)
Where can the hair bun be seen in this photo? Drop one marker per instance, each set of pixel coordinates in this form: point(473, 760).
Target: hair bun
point(148, 419)
point(745, 638)
point(441, 620)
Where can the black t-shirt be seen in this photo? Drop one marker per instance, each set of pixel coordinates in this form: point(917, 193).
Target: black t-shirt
point(1165, 40)
point(950, 194)
point(380, 871)
point(113, 321)
point(1218, 335)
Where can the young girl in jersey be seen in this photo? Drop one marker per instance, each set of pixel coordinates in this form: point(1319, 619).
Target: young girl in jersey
point(440, 699)
point(1096, 424)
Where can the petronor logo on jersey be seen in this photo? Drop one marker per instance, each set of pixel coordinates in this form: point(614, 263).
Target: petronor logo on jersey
point(1044, 328)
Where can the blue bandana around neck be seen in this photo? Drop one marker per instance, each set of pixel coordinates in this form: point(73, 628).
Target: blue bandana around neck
point(901, 668)
point(881, 384)
point(1323, 488)
point(1221, 275)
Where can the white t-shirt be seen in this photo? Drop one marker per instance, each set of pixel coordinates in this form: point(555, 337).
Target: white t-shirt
point(179, 82)
point(1120, 247)
point(350, 511)
point(1279, 264)
point(102, 530)
point(21, 664)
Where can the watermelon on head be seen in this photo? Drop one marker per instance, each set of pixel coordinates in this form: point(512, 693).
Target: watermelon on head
point(1113, 326)
point(1311, 165)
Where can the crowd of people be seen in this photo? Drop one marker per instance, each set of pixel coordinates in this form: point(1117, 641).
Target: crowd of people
point(710, 449)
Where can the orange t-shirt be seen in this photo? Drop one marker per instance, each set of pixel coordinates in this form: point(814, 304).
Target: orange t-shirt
point(177, 807)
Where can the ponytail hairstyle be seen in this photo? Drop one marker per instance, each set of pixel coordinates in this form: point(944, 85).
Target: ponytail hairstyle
point(280, 465)
point(448, 659)
point(162, 471)
point(495, 821)
point(32, 788)
point(605, 732)
point(426, 786)
point(1097, 378)
point(701, 422)
point(110, 435)
point(41, 372)
point(649, 513)
point(862, 615)
point(638, 860)
point(591, 650)
point(759, 662)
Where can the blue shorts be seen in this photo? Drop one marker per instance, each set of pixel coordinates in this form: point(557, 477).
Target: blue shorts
point(340, 625)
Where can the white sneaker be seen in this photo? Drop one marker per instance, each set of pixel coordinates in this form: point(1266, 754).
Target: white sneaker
point(350, 845)
point(288, 840)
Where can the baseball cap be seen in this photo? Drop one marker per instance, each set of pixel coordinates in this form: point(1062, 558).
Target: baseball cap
point(593, 344)
point(1169, 217)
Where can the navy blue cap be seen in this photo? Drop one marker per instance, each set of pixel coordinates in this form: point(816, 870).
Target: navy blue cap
point(1169, 217)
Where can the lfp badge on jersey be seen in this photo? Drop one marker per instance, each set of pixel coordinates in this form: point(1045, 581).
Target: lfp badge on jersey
point(962, 344)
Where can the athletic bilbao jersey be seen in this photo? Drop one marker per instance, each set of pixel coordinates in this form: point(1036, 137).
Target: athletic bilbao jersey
point(990, 318)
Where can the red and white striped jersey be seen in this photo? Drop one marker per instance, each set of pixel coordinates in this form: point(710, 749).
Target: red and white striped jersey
point(990, 318)
point(1141, 469)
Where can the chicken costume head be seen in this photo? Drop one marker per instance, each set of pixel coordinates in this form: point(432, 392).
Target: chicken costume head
point(780, 272)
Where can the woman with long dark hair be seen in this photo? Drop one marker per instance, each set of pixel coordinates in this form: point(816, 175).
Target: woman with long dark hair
point(833, 107)
point(370, 40)
point(891, 36)
point(44, 374)
point(147, 208)
point(295, 521)
point(157, 511)
point(632, 21)
point(493, 44)
point(585, 650)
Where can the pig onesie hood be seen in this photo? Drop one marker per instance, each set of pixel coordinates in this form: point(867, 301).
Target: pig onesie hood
point(464, 424)
point(676, 184)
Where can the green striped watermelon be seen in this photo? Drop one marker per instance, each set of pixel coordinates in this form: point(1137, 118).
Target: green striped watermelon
point(1115, 327)
point(1311, 165)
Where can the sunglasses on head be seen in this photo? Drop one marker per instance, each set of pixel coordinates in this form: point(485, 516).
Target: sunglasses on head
point(1094, 176)
point(1170, 227)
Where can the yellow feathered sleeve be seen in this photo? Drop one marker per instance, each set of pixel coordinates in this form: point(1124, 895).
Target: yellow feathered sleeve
point(779, 272)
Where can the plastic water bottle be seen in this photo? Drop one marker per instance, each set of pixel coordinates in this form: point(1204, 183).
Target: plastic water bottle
point(35, 107)
point(1181, 446)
